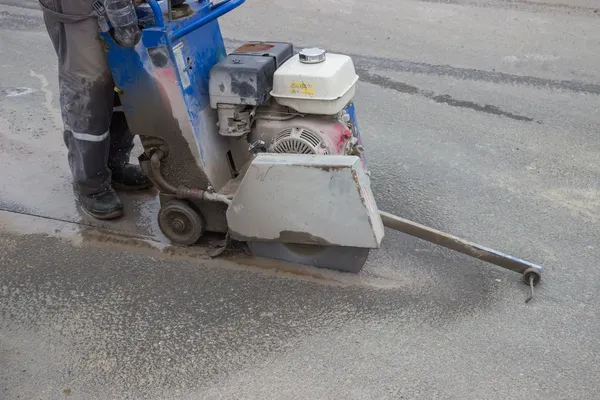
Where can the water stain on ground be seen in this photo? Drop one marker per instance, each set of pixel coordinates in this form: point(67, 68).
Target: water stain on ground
point(238, 259)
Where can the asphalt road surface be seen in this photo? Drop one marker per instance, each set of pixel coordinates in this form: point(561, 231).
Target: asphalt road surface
point(480, 118)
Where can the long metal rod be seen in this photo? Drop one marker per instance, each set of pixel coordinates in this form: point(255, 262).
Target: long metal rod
point(457, 244)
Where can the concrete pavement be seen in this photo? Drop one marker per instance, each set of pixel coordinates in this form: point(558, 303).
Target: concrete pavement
point(481, 118)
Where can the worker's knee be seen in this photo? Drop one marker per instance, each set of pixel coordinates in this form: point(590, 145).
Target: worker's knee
point(86, 102)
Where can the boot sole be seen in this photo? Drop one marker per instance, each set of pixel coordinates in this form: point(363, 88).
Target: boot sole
point(103, 216)
point(125, 188)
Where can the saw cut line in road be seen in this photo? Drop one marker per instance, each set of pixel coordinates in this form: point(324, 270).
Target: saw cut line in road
point(474, 74)
point(387, 83)
point(523, 5)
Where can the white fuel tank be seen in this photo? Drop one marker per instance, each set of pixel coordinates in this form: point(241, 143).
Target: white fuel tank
point(315, 82)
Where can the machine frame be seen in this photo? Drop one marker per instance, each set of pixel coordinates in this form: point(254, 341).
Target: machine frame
point(163, 85)
point(159, 81)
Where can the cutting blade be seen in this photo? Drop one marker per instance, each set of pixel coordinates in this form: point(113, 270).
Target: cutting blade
point(345, 259)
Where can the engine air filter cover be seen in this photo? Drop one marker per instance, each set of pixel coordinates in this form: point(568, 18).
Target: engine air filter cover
point(299, 141)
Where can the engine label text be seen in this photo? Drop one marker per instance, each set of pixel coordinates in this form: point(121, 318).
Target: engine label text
point(302, 88)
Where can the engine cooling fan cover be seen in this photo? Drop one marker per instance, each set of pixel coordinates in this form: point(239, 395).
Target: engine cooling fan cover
point(299, 141)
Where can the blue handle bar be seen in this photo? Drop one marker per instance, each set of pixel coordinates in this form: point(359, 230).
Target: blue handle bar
point(158, 16)
point(215, 12)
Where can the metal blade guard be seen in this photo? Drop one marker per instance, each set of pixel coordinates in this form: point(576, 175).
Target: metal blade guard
point(306, 208)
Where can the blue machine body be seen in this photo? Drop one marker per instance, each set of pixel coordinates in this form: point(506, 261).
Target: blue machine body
point(163, 87)
point(351, 110)
point(196, 39)
point(163, 84)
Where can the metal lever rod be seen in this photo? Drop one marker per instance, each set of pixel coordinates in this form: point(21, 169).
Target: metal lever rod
point(529, 270)
point(531, 284)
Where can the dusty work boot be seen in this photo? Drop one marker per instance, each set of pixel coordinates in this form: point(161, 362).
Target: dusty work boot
point(129, 177)
point(103, 205)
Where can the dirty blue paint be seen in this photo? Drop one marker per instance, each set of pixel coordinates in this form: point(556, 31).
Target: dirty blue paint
point(129, 65)
point(201, 48)
point(351, 110)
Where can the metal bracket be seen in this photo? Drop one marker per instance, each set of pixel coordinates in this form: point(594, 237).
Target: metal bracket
point(216, 248)
point(100, 12)
point(257, 147)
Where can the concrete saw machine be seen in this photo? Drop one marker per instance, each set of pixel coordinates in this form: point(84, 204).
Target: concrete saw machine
point(261, 145)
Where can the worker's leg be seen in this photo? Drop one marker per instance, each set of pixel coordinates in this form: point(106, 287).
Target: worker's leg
point(95, 136)
point(86, 98)
point(125, 176)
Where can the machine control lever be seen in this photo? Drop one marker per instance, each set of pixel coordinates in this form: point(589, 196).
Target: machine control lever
point(531, 273)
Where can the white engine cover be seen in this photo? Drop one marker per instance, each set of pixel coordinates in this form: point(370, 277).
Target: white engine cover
point(306, 199)
point(323, 88)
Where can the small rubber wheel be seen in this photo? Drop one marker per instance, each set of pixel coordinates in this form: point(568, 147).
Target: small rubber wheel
point(532, 272)
point(180, 223)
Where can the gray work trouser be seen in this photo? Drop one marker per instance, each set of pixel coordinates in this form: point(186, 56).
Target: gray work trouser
point(95, 133)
